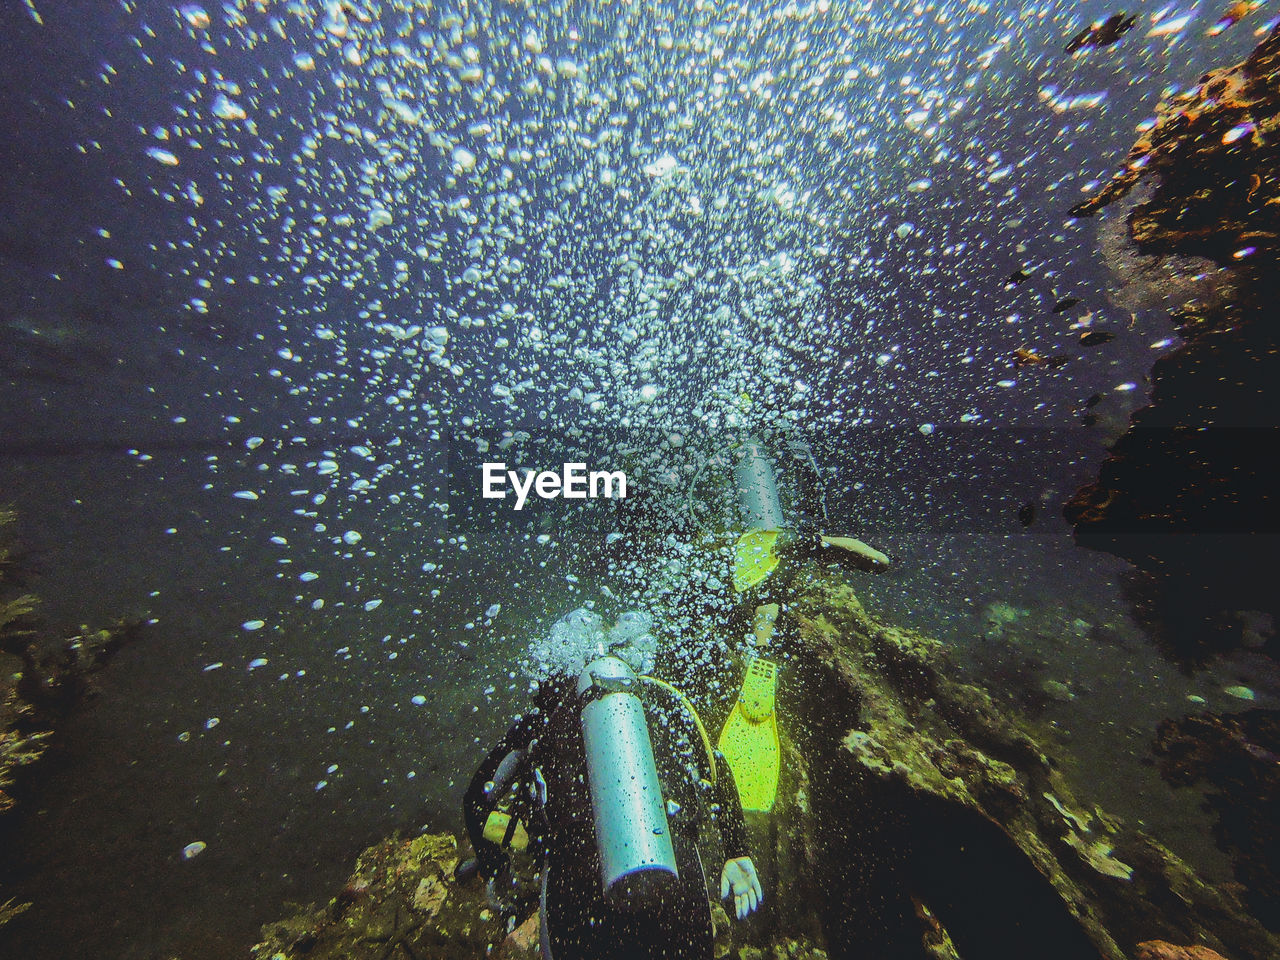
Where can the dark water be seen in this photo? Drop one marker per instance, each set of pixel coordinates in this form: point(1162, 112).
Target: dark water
point(132, 417)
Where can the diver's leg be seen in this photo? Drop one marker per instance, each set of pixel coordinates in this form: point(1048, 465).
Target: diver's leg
point(766, 618)
point(576, 920)
point(682, 928)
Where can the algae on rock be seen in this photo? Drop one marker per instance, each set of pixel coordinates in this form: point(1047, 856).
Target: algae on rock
point(926, 793)
point(401, 897)
point(40, 679)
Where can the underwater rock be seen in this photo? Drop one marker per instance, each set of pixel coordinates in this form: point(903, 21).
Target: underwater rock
point(1160, 950)
point(20, 745)
point(57, 674)
point(51, 674)
point(1210, 149)
point(919, 790)
point(1017, 655)
point(40, 680)
point(1238, 757)
point(1186, 494)
point(998, 617)
point(401, 900)
point(523, 940)
point(430, 895)
point(1057, 690)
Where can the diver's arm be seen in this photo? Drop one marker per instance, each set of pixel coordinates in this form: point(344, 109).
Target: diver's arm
point(729, 818)
point(852, 552)
point(810, 542)
point(738, 878)
point(478, 803)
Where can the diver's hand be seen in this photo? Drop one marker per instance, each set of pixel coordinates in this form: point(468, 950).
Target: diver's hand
point(856, 554)
point(500, 890)
point(739, 878)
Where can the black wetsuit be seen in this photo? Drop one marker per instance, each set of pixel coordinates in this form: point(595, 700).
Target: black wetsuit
point(577, 922)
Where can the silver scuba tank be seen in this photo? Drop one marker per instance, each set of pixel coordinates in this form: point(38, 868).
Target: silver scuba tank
point(758, 488)
point(637, 860)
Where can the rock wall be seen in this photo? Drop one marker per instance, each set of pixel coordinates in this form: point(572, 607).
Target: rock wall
point(40, 679)
point(1187, 493)
point(930, 797)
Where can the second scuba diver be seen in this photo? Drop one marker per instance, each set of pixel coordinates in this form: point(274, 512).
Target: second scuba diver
point(615, 776)
point(769, 538)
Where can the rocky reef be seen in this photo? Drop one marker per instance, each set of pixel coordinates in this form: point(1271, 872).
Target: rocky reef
point(41, 677)
point(401, 900)
point(924, 794)
point(1238, 758)
point(915, 819)
point(19, 745)
point(1187, 493)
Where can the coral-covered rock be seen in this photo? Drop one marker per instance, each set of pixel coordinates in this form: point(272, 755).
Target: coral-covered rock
point(1238, 757)
point(1187, 493)
point(1213, 153)
point(932, 810)
point(402, 900)
point(1160, 950)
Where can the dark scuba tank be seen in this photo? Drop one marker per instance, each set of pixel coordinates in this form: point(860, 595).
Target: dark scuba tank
point(637, 859)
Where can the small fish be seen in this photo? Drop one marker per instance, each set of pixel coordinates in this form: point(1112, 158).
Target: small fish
point(1017, 277)
point(1093, 401)
point(1025, 357)
point(1085, 208)
point(192, 850)
point(1027, 514)
point(1233, 15)
point(1066, 303)
point(1095, 338)
point(1102, 33)
point(1172, 27)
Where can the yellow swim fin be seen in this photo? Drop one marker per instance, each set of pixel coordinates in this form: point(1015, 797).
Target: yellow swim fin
point(754, 558)
point(749, 740)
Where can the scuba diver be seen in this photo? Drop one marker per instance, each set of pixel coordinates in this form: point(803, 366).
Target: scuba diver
point(612, 775)
point(769, 550)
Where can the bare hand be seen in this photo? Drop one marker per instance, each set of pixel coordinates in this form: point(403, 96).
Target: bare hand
point(739, 879)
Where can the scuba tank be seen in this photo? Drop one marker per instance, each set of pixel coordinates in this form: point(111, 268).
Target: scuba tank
point(761, 512)
point(757, 486)
point(637, 859)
